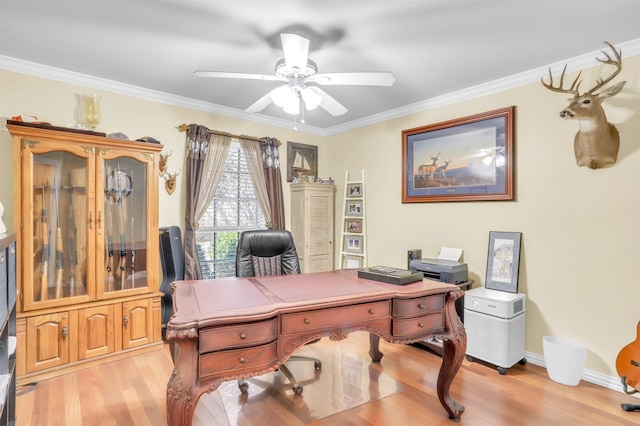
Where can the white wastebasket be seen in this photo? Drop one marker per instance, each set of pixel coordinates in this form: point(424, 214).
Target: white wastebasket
point(564, 359)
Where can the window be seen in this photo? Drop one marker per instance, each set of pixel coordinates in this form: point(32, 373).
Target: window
point(234, 209)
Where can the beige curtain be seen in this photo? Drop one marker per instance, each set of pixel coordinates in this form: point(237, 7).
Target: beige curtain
point(253, 156)
point(206, 156)
point(213, 168)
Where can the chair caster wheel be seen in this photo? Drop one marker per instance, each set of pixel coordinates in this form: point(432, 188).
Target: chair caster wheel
point(298, 390)
point(317, 365)
point(469, 358)
point(244, 387)
point(502, 371)
point(523, 361)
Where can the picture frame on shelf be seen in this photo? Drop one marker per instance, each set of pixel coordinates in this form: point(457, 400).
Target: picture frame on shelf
point(465, 159)
point(353, 243)
point(503, 261)
point(354, 209)
point(302, 162)
point(354, 190)
point(353, 226)
point(351, 262)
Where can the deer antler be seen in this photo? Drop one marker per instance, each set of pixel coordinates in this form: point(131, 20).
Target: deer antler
point(171, 175)
point(617, 62)
point(573, 89)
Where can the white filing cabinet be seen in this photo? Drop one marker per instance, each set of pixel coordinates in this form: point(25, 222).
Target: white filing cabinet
point(495, 325)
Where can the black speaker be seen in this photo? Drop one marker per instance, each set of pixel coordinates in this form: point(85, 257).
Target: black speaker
point(172, 261)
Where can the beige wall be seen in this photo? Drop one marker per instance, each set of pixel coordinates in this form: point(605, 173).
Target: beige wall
point(581, 227)
point(55, 102)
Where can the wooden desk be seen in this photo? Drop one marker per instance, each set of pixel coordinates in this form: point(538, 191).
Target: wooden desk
point(233, 328)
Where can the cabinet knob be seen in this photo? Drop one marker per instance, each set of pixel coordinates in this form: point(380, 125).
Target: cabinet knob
point(1, 258)
point(306, 321)
point(126, 320)
point(242, 360)
point(421, 305)
point(421, 325)
point(65, 333)
point(371, 311)
point(243, 336)
point(90, 219)
point(100, 219)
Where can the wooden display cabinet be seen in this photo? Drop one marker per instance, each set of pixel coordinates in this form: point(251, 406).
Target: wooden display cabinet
point(87, 210)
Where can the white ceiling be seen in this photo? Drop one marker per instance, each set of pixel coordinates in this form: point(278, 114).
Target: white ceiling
point(433, 47)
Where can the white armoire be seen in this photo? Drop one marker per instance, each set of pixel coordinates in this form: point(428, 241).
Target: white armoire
point(312, 209)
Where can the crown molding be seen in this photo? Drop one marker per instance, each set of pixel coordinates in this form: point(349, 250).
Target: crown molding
point(629, 48)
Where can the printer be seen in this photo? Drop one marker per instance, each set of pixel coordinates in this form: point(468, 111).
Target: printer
point(447, 271)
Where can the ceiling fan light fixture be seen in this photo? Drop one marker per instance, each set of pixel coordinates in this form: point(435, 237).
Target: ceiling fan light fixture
point(283, 95)
point(311, 98)
point(293, 106)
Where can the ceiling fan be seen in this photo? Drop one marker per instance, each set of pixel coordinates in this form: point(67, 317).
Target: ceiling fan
point(298, 71)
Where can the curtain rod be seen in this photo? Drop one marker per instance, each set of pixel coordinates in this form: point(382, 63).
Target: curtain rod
point(183, 128)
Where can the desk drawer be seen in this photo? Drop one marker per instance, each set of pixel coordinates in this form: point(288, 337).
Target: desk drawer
point(418, 306)
point(236, 360)
point(432, 323)
point(237, 336)
point(322, 318)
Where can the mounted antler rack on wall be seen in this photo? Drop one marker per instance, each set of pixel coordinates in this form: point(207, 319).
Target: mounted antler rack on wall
point(170, 181)
point(163, 162)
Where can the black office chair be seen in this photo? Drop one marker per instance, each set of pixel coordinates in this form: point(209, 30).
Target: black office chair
point(267, 253)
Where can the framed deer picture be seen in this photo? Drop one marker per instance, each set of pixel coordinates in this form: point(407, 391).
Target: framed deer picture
point(466, 159)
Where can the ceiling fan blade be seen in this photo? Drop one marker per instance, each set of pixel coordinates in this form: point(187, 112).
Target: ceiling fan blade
point(296, 51)
point(330, 105)
point(221, 74)
point(261, 103)
point(355, 78)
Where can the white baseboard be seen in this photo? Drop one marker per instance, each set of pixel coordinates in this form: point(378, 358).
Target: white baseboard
point(599, 379)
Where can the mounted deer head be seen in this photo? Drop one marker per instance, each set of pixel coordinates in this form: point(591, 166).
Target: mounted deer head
point(170, 181)
point(596, 143)
point(163, 162)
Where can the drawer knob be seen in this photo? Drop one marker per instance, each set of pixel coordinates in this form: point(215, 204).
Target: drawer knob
point(243, 336)
point(421, 325)
point(371, 311)
point(306, 321)
point(421, 305)
point(242, 360)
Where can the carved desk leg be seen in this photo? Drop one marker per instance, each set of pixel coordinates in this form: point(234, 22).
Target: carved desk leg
point(455, 347)
point(182, 390)
point(374, 347)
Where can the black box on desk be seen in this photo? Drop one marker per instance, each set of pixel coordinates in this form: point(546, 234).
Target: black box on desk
point(390, 275)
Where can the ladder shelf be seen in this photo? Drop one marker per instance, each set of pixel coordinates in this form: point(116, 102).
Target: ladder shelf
point(353, 239)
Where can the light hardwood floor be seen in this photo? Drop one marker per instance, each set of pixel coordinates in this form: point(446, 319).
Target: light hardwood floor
point(132, 392)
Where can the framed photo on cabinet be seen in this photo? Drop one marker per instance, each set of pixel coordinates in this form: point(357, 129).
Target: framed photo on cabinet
point(302, 162)
point(503, 261)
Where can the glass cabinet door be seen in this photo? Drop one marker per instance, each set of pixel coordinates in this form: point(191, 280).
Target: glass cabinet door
point(61, 207)
point(123, 257)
